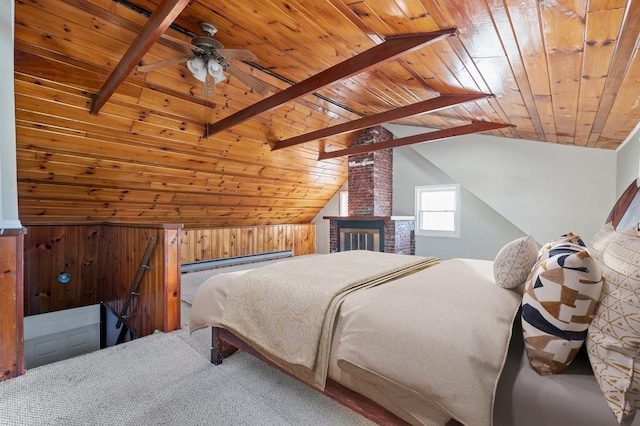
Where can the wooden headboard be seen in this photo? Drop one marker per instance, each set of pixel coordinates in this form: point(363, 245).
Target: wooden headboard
point(626, 211)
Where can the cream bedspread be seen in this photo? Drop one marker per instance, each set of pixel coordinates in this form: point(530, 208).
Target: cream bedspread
point(435, 342)
point(287, 310)
point(428, 346)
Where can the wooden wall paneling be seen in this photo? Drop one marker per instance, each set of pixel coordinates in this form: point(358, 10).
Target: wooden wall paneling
point(507, 35)
point(156, 161)
point(564, 28)
point(73, 25)
point(601, 30)
point(53, 250)
point(66, 261)
point(102, 261)
point(625, 101)
point(172, 278)
point(198, 244)
point(61, 212)
point(37, 271)
point(11, 303)
point(624, 59)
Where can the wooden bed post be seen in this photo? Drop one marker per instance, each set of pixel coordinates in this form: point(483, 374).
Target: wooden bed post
point(216, 347)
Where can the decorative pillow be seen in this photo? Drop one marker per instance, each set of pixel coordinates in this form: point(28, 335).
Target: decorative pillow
point(601, 240)
point(560, 300)
point(564, 238)
point(514, 261)
point(613, 342)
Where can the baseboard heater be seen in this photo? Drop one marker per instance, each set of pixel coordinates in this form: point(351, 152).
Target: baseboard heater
point(237, 260)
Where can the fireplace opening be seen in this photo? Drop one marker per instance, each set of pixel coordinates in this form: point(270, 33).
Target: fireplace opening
point(361, 235)
point(359, 239)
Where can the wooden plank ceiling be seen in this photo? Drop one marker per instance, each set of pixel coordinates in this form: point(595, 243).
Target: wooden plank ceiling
point(554, 71)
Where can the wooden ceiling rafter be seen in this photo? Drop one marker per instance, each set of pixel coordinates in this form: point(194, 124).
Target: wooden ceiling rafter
point(160, 19)
point(390, 49)
point(474, 127)
point(430, 105)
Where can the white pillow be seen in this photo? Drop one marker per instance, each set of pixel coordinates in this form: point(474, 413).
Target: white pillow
point(601, 240)
point(514, 262)
point(613, 342)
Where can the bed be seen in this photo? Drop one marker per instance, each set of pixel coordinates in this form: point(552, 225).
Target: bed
point(413, 340)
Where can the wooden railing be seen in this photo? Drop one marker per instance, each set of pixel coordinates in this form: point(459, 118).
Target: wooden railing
point(102, 260)
point(158, 306)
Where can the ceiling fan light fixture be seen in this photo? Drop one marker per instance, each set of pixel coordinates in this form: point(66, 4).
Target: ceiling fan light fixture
point(216, 70)
point(198, 69)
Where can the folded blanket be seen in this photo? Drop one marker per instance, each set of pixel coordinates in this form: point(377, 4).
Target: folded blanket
point(287, 310)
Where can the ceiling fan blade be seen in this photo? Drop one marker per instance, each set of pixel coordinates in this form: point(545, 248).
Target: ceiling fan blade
point(209, 86)
point(238, 54)
point(160, 64)
point(256, 85)
point(179, 44)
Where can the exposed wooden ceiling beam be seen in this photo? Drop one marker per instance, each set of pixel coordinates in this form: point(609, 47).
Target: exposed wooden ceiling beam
point(474, 127)
point(157, 24)
point(430, 105)
point(393, 47)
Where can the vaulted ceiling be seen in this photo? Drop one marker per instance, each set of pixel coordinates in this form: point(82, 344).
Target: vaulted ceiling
point(158, 151)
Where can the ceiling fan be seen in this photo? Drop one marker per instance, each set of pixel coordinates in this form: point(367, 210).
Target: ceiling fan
point(209, 60)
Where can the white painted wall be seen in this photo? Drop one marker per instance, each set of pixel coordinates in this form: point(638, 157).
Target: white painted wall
point(8, 176)
point(628, 161)
point(544, 189)
point(483, 231)
point(332, 208)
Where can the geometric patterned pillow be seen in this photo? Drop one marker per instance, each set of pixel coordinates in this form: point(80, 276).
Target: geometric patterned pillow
point(613, 341)
point(560, 300)
point(565, 238)
point(513, 262)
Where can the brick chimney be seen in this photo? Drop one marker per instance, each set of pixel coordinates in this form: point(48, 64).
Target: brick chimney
point(370, 225)
point(371, 176)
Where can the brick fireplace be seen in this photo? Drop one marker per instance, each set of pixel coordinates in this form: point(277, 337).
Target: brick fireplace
point(369, 224)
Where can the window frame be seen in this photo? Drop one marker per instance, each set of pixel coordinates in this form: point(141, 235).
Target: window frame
point(343, 204)
point(419, 190)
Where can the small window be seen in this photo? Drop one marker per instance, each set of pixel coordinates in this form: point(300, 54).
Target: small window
point(344, 203)
point(437, 210)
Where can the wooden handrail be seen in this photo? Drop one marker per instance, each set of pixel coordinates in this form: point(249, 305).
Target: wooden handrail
point(144, 265)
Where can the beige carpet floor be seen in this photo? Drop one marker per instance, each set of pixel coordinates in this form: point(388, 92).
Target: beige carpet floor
point(165, 379)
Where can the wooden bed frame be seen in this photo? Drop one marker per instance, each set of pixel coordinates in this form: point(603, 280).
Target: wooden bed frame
point(225, 343)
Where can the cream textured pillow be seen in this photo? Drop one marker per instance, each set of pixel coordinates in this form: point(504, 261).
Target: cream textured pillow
point(601, 240)
point(560, 300)
point(514, 261)
point(613, 342)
